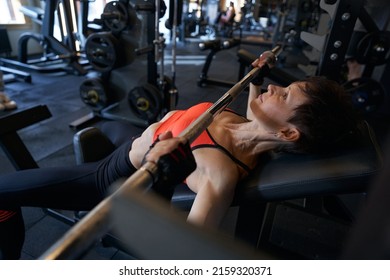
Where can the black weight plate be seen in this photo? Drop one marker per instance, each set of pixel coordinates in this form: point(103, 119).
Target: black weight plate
point(120, 16)
point(93, 93)
point(146, 102)
point(163, 9)
point(103, 51)
point(367, 94)
point(374, 48)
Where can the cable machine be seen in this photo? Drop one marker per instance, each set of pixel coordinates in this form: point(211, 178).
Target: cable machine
point(123, 88)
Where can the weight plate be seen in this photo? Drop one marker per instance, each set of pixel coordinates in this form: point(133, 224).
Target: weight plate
point(93, 93)
point(116, 16)
point(163, 9)
point(146, 102)
point(374, 48)
point(367, 94)
point(103, 51)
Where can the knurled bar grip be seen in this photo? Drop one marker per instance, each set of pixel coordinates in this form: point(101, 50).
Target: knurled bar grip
point(97, 222)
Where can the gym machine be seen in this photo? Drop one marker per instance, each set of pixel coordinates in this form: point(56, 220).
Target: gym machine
point(124, 89)
point(10, 74)
point(58, 54)
point(372, 50)
point(215, 46)
point(245, 59)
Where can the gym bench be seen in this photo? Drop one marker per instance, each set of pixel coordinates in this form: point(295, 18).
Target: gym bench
point(10, 141)
point(279, 177)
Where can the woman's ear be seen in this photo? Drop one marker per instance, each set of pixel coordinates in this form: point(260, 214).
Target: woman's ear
point(289, 134)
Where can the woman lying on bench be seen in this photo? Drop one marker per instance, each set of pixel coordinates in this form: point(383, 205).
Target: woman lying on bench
point(315, 115)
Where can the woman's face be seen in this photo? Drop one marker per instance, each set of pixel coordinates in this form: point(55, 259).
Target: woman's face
point(274, 107)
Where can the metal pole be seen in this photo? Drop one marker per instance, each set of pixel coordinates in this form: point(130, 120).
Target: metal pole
point(93, 226)
point(159, 42)
point(173, 90)
point(174, 30)
point(157, 31)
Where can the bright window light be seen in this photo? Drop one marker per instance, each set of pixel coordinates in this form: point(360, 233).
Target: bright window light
point(9, 12)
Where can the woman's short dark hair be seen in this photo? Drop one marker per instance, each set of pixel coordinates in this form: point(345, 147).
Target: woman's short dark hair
point(327, 120)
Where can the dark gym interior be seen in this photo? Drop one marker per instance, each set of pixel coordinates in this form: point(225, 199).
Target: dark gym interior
point(69, 65)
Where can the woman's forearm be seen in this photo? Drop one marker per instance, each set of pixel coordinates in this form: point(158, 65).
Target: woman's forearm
point(254, 92)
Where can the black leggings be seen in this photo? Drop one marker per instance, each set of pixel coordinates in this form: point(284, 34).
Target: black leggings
point(69, 188)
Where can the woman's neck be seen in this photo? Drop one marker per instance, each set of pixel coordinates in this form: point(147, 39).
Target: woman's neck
point(252, 137)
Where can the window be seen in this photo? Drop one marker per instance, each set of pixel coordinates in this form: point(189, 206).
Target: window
point(96, 9)
point(9, 12)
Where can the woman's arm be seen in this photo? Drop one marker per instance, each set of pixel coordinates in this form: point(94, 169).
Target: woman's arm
point(255, 85)
point(214, 181)
point(254, 91)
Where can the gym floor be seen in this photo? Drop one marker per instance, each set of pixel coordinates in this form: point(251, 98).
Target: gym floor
point(50, 141)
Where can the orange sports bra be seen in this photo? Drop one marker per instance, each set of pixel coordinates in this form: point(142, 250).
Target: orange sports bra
point(179, 120)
